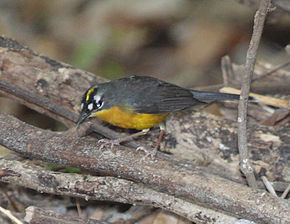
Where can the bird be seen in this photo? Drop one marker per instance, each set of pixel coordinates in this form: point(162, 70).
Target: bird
point(141, 102)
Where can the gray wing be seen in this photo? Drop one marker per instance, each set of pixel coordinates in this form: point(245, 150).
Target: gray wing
point(154, 96)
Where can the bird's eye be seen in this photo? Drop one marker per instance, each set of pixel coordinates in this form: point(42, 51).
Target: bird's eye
point(99, 104)
point(98, 101)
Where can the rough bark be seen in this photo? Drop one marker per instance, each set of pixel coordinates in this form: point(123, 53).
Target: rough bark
point(191, 184)
point(54, 88)
point(105, 189)
point(36, 215)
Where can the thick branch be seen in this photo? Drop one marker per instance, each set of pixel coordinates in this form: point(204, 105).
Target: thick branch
point(190, 184)
point(104, 188)
point(245, 164)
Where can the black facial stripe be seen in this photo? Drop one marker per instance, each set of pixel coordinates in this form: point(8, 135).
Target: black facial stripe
point(92, 94)
point(83, 100)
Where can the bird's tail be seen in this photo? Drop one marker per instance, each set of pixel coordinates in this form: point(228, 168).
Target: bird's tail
point(214, 96)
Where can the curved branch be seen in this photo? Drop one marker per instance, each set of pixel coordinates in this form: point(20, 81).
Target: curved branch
point(191, 184)
point(104, 188)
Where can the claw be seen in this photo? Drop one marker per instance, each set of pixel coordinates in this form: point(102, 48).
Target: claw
point(148, 152)
point(108, 143)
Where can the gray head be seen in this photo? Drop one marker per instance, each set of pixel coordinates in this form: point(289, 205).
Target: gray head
point(94, 100)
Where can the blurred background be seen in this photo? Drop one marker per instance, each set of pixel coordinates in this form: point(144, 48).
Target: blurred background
point(180, 41)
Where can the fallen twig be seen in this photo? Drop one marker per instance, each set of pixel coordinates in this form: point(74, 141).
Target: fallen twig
point(267, 100)
point(10, 215)
point(269, 186)
point(271, 71)
point(36, 215)
point(284, 195)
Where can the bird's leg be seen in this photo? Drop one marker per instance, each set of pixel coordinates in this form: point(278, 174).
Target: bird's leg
point(153, 152)
point(117, 141)
point(162, 131)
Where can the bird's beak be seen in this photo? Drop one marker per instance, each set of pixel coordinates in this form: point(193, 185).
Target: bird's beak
point(83, 116)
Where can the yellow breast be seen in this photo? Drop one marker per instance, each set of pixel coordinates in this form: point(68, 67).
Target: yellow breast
point(129, 119)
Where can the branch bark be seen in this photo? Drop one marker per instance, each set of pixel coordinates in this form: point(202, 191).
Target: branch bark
point(191, 184)
point(105, 189)
point(245, 164)
point(36, 215)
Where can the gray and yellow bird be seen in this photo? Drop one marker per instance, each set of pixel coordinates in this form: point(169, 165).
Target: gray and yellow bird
point(141, 102)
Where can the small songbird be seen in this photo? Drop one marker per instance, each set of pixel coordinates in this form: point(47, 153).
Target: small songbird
point(141, 102)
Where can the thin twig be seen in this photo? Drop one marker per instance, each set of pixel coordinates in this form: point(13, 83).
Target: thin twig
point(278, 67)
point(227, 70)
point(79, 207)
point(10, 216)
point(269, 186)
point(285, 193)
point(265, 100)
point(259, 20)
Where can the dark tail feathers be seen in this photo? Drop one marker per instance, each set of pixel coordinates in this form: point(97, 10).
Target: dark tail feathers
point(214, 96)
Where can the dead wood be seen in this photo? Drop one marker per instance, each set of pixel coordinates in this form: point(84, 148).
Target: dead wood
point(105, 189)
point(36, 215)
point(190, 184)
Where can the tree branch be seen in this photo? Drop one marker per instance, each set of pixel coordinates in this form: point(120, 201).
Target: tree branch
point(269, 72)
point(104, 188)
point(191, 184)
point(245, 164)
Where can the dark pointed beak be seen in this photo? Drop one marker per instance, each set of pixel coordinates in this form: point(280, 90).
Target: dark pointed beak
point(83, 116)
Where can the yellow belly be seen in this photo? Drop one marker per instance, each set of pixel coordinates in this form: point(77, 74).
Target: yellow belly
point(129, 119)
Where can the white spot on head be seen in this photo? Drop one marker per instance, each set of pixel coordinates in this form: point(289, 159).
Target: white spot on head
point(97, 98)
point(98, 101)
point(90, 106)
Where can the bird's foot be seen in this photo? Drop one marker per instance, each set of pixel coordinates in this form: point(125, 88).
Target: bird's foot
point(148, 152)
point(108, 143)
